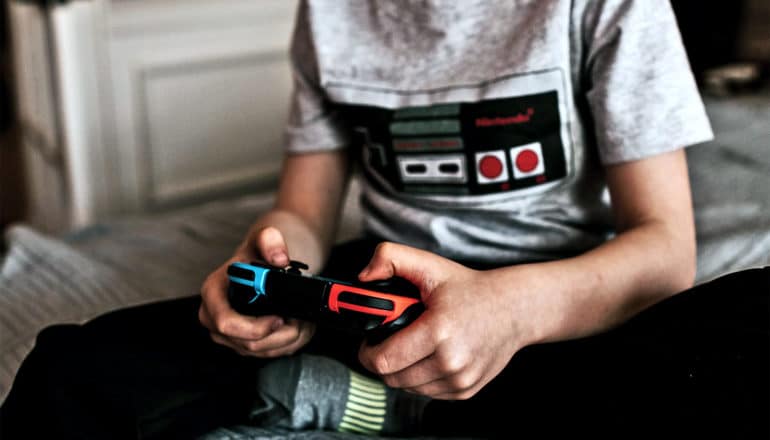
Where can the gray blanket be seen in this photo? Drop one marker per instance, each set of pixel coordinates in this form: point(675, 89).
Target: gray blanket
point(46, 280)
point(731, 186)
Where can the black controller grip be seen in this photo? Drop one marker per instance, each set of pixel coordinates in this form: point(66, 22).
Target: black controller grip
point(375, 309)
point(378, 334)
point(288, 296)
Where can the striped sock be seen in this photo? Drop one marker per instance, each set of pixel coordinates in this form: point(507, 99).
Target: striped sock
point(366, 406)
point(309, 392)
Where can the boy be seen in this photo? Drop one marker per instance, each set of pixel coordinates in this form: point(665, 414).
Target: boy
point(488, 134)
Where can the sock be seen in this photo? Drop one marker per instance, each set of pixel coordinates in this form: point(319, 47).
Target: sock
point(365, 407)
point(308, 392)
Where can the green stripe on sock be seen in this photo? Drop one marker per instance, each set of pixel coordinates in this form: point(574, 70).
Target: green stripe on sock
point(365, 382)
point(367, 392)
point(361, 378)
point(364, 417)
point(344, 427)
point(368, 402)
point(367, 425)
point(378, 396)
point(365, 407)
point(368, 387)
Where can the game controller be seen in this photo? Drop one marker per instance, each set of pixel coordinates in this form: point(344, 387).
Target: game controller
point(375, 309)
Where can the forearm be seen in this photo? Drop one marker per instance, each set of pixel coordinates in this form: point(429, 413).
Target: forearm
point(308, 205)
point(475, 321)
point(652, 257)
point(603, 287)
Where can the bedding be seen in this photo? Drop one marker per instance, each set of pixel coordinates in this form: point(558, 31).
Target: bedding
point(730, 180)
point(46, 280)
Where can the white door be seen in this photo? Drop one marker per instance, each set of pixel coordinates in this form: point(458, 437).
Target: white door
point(162, 103)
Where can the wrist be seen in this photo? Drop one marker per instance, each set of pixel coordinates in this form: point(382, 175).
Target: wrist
point(528, 298)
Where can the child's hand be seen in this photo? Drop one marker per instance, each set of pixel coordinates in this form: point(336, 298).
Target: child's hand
point(264, 336)
point(467, 334)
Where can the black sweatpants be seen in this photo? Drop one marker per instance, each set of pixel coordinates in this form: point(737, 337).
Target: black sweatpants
point(695, 364)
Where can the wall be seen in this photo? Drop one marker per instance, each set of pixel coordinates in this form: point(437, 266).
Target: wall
point(11, 177)
point(754, 37)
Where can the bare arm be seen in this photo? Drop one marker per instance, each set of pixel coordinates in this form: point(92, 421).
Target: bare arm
point(652, 256)
point(302, 225)
point(307, 208)
point(475, 321)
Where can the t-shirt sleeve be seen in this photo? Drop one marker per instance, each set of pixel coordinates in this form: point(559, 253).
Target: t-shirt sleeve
point(642, 93)
point(312, 125)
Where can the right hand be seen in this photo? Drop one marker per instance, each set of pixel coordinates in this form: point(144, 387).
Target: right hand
point(263, 336)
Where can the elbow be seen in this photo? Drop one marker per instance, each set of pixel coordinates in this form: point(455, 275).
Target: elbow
point(684, 278)
point(683, 271)
point(675, 260)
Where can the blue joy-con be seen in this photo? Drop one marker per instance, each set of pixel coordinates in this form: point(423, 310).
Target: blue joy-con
point(258, 282)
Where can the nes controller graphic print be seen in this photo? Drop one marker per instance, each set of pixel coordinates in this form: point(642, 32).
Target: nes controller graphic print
point(467, 148)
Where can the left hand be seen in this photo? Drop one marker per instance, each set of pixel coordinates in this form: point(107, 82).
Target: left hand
point(466, 336)
point(262, 336)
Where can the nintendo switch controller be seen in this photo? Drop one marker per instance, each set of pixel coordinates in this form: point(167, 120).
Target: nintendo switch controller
point(376, 309)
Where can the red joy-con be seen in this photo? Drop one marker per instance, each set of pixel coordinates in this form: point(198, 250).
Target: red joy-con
point(400, 303)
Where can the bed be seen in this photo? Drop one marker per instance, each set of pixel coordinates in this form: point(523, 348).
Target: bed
point(71, 278)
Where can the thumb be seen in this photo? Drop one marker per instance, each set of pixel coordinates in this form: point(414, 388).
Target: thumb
point(272, 247)
point(423, 269)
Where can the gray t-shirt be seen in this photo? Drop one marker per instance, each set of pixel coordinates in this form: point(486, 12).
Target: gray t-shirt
point(483, 126)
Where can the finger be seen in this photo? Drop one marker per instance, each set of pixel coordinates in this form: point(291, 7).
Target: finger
point(221, 340)
point(204, 317)
point(209, 296)
point(224, 320)
point(272, 247)
point(304, 338)
point(422, 268)
point(441, 365)
point(244, 348)
point(421, 373)
point(246, 252)
point(390, 356)
point(283, 336)
point(237, 326)
point(283, 351)
point(458, 386)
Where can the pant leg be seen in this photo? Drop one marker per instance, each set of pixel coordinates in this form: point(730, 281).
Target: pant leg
point(142, 372)
point(696, 364)
point(148, 372)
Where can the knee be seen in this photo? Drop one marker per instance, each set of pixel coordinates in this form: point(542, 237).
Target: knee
point(54, 356)
point(35, 381)
point(56, 342)
point(57, 336)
